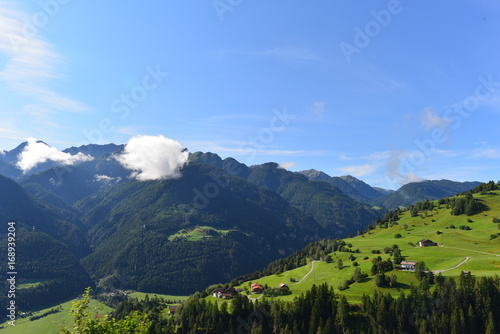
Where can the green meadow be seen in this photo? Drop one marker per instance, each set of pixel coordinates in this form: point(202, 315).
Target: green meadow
point(52, 323)
point(197, 233)
point(455, 245)
point(31, 283)
point(142, 295)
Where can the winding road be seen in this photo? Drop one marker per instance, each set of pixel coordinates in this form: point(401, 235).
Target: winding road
point(458, 265)
point(303, 278)
point(310, 271)
point(470, 250)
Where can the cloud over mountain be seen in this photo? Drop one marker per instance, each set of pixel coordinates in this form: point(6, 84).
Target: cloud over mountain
point(153, 157)
point(286, 165)
point(38, 152)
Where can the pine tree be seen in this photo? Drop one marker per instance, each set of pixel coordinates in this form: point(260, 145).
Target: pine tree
point(490, 324)
point(341, 319)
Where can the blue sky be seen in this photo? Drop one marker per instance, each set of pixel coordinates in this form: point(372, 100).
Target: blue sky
point(387, 91)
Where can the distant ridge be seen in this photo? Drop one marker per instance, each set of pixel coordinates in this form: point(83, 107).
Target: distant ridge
point(351, 186)
point(414, 192)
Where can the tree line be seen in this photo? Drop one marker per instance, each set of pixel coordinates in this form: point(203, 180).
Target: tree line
point(464, 305)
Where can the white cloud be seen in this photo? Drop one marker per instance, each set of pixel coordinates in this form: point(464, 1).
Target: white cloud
point(486, 152)
point(358, 170)
point(153, 157)
point(400, 170)
point(31, 64)
point(248, 149)
point(318, 109)
point(412, 177)
point(36, 153)
point(288, 53)
point(106, 179)
point(431, 120)
point(377, 156)
point(292, 53)
point(286, 165)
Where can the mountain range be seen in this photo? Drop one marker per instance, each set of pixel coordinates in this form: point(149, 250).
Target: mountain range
point(218, 220)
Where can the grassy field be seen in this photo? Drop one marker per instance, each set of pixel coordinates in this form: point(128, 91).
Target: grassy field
point(31, 283)
point(142, 295)
point(198, 233)
point(50, 324)
point(53, 322)
point(455, 246)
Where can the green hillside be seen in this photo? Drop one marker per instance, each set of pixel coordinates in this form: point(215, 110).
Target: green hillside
point(476, 246)
point(49, 323)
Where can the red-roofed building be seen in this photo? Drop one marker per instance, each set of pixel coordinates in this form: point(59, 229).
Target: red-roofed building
point(257, 288)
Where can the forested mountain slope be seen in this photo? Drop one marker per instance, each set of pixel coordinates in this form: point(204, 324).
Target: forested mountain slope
point(178, 235)
point(17, 205)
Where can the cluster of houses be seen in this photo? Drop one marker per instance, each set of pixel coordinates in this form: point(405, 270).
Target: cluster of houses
point(226, 293)
point(410, 265)
point(230, 292)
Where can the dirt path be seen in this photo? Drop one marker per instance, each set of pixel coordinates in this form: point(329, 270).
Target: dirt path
point(310, 271)
point(469, 250)
point(303, 278)
point(254, 299)
point(458, 265)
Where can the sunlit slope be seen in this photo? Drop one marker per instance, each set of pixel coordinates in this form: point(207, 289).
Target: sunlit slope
point(476, 246)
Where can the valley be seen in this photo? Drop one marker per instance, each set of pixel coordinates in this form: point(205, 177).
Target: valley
point(162, 237)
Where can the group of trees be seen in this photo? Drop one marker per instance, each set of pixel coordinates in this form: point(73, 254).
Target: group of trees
point(421, 206)
point(380, 266)
point(484, 188)
point(389, 218)
point(84, 321)
point(469, 305)
point(464, 205)
point(357, 277)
